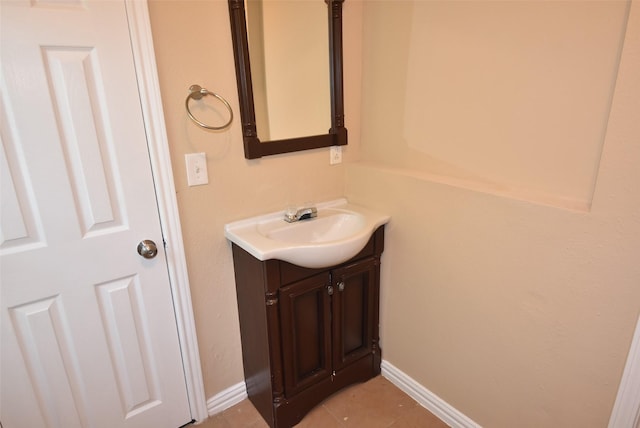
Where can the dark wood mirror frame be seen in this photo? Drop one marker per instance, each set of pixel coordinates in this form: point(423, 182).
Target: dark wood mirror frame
point(337, 134)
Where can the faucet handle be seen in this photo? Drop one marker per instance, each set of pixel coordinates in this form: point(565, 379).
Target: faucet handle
point(290, 213)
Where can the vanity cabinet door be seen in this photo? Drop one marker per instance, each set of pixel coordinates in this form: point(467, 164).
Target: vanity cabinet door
point(305, 322)
point(354, 312)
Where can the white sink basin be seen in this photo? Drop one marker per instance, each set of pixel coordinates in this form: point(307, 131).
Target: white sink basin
point(339, 232)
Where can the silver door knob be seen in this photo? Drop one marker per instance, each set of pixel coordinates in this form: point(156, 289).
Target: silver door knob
point(147, 249)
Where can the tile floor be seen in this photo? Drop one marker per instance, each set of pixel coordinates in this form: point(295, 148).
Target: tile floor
point(373, 404)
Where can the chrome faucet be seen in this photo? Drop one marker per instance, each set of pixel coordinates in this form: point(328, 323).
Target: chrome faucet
point(291, 215)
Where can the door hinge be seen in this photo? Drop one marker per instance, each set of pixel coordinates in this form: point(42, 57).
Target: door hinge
point(271, 298)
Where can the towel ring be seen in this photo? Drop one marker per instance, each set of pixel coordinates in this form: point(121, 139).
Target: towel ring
point(197, 92)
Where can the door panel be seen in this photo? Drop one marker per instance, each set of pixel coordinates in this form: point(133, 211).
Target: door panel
point(123, 315)
point(20, 225)
point(353, 310)
point(89, 333)
point(49, 352)
point(305, 322)
point(78, 97)
point(354, 319)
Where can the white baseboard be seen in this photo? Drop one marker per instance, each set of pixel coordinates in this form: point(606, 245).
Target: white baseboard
point(449, 415)
point(426, 398)
point(227, 398)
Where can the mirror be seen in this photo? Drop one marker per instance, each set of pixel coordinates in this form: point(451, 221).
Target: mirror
point(283, 129)
point(288, 52)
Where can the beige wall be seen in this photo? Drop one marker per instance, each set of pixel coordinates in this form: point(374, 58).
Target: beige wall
point(193, 45)
point(511, 277)
point(512, 298)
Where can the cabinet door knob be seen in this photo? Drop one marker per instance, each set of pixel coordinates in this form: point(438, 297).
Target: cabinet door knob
point(341, 286)
point(330, 290)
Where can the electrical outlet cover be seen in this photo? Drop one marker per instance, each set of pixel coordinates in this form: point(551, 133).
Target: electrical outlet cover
point(335, 155)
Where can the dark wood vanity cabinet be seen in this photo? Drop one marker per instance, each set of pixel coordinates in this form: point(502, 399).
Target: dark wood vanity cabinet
point(307, 333)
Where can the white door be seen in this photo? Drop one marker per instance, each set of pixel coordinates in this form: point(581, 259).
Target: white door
point(88, 328)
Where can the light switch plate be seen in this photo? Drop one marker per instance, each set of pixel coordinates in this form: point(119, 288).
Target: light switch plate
point(196, 169)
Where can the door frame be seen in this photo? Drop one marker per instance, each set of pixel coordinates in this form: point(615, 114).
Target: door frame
point(626, 410)
point(158, 146)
